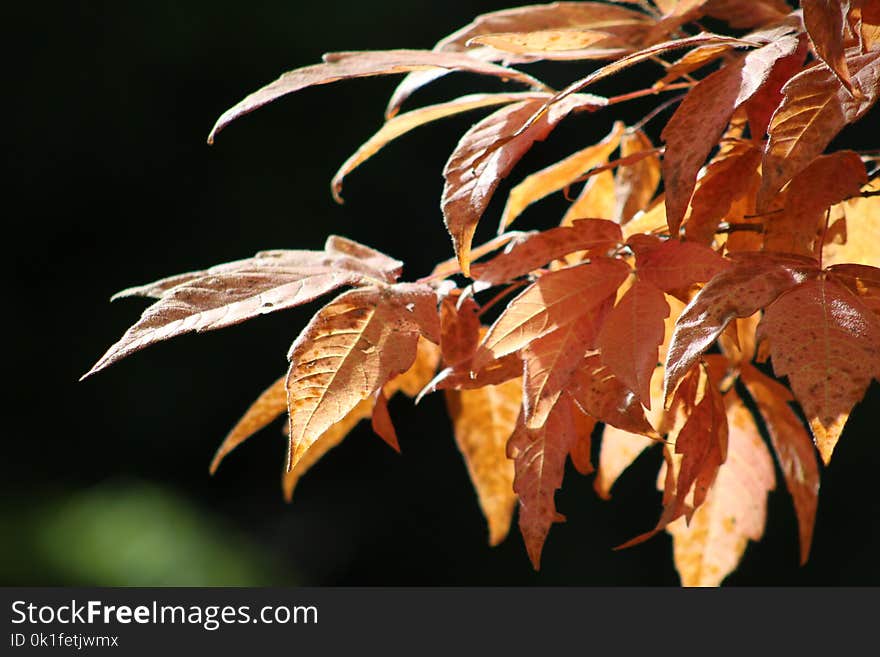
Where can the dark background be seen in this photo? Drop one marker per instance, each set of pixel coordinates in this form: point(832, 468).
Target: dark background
point(109, 183)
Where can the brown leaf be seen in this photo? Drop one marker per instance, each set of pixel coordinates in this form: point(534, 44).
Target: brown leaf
point(763, 104)
point(752, 282)
point(672, 265)
point(710, 547)
point(793, 447)
point(815, 107)
point(420, 372)
point(237, 291)
point(824, 21)
point(751, 13)
point(631, 336)
point(400, 125)
point(555, 300)
point(580, 452)
point(381, 421)
point(692, 132)
point(483, 420)
point(562, 45)
point(346, 65)
point(828, 345)
point(558, 176)
point(586, 235)
point(635, 184)
point(539, 460)
point(350, 349)
point(459, 328)
point(828, 179)
point(861, 280)
point(484, 156)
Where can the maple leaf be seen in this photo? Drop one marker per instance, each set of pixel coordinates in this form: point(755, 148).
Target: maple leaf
point(710, 546)
point(237, 291)
point(826, 342)
point(485, 155)
point(350, 349)
point(815, 107)
point(793, 447)
point(555, 300)
point(483, 420)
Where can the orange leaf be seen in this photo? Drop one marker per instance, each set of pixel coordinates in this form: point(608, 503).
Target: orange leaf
point(539, 460)
point(596, 200)
point(748, 13)
point(824, 20)
point(381, 421)
point(527, 255)
point(558, 176)
point(580, 452)
point(752, 283)
point(350, 349)
point(861, 280)
point(862, 245)
point(635, 184)
point(814, 109)
point(549, 363)
point(459, 328)
point(346, 65)
point(710, 547)
point(631, 335)
point(485, 155)
point(555, 300)
point(793, 448)
point(400, 125)
point(483, 420)
point(826, 342)
point(763, 104)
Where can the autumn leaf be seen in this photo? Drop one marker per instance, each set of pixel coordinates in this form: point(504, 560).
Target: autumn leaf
point(631, 335)
point(824, 20)
point(555, 300)
point(596, 200)
point(459, 328)
point(827, 180)
point(861, 280)
point(350, 349)
point(485, 155)
point(558, 176)
point(672, 265)
point(826, 342)
point(483, 420)
point(237, 291)
point(539, 457)
point(793, 447)
point(703, 115)
point(635, 184)
point(602, 395)
point(815, 108)
point(400, 125)
point(862, 245)
point(739, 14)
point(346, 65)
point(711, 546)
point(619, 450)
point(752, 282)
point(526, 255)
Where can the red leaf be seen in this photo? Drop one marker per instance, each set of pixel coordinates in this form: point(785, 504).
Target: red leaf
point(591, 235)
point(598, 392)
point(485, 155)
point(382, 424)
point(631, 335)
point(824, 20)
point(793, 448)
point(826, 342)
point(672, 265)
point(459, 328)
point(752, 283)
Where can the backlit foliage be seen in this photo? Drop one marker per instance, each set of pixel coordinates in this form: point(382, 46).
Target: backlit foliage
point(641, 317)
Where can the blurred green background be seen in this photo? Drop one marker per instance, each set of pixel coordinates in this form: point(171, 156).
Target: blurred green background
point(109, 183)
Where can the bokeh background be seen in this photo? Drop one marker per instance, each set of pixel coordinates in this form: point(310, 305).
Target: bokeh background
point(109, 183)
